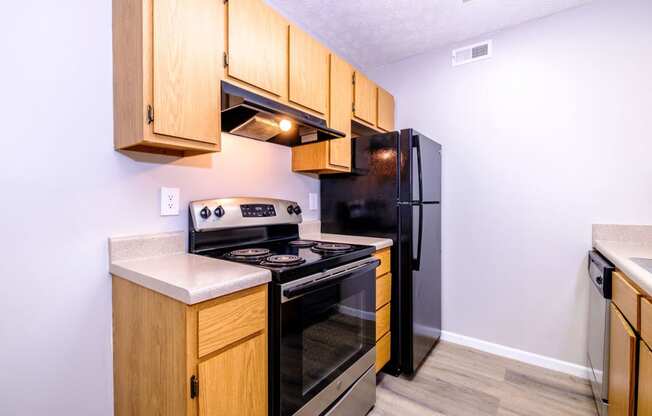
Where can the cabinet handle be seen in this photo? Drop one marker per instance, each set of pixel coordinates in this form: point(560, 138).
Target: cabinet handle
point(194, 387)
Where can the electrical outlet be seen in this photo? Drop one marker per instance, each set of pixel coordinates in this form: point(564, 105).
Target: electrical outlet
point(313, 201)
point(169, 201)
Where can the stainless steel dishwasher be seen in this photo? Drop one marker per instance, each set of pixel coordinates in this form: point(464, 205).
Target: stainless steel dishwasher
point(600, 271)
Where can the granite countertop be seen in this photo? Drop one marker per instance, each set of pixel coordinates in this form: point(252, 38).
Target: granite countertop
point(159, 262)
point(620, 244)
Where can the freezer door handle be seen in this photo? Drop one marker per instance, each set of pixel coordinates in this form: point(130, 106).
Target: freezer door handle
point(415, 143)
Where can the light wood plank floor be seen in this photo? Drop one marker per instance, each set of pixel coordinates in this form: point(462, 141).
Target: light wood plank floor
point(460, 381)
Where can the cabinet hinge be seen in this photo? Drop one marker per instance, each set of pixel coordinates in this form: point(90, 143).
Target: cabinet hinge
point(194, 387)
point(353, 79)
point(150, 114)
point(226, 59)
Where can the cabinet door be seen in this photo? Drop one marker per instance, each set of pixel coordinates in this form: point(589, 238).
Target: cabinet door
point(645, 381)
point(257, 45)
point(341, 97)
point(622, 365)
point(234, 382)
point(385, 110)
point(188, 42)
point(308, 71)
point(365, 99)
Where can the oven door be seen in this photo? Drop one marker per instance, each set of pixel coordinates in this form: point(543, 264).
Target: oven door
point(327, 339)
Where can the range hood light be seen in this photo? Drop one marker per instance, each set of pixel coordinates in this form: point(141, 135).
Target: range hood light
point(285, 124)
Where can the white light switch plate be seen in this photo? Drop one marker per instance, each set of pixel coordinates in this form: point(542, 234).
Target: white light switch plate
point(170, 201)
point(313, 201)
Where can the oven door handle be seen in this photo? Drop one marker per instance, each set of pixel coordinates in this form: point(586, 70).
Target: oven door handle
point(328, 280)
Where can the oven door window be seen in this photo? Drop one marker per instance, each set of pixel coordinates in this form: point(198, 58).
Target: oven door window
point(323, 333)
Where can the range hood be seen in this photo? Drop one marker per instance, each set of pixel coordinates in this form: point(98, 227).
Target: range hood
point(250, 115)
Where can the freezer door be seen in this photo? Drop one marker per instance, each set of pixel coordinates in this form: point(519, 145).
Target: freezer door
point(421, 283)
point(423, 157)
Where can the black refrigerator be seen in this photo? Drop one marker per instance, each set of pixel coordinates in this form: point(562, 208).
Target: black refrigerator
point(394, 191)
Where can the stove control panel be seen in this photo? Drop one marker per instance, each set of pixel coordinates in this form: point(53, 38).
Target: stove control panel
point(258, 210)
point(216, 214)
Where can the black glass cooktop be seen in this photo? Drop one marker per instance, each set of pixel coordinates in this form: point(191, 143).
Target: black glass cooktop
point(291, 259)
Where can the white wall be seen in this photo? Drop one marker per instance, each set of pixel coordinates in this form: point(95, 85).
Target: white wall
point(65, 191)
point(551, 135)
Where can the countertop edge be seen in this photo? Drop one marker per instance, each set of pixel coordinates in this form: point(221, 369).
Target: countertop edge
point(184, 295)
point(639, 275)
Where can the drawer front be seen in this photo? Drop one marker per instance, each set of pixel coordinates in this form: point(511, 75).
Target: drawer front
point(385, 257)
point(646, 320)
point(231, 319)
point(382, 321)
point(627, 298)
point(383, 290)
point(383, 351)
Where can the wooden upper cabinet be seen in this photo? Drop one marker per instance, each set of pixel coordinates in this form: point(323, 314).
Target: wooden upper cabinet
point(309, 78)
point(257, 45)
point(341, 96)
point(333, 156)
point(364, 99)
point(385, 110)
point(622, 365)
point(188, 42)
point(166, 75)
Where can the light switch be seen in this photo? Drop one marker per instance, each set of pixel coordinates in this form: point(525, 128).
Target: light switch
point(313, 201)
point(170, 201)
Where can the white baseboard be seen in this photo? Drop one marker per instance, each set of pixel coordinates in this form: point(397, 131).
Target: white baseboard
point(518, 355)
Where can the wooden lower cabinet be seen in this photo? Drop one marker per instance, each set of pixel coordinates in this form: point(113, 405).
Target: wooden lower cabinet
point(234, 382)
point(174, 359)
point(645, 380)
point(622, 365)
point(383, 351)
point(383, 308)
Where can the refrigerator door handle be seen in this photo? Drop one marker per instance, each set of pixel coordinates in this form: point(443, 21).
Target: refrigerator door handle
point(417, 145)
point(416, 262)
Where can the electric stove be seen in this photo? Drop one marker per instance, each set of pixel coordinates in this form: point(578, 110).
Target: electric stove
point(322, 303)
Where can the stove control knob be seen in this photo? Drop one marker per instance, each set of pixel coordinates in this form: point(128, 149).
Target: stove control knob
point(205, 213)
point(290, 210)
point(219, 212)
point(297, 209)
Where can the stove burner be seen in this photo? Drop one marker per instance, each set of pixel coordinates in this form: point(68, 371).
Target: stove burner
point(283, 260)
point(249, 255)
point(302, 243)
point(250, 252)
point(332, 248)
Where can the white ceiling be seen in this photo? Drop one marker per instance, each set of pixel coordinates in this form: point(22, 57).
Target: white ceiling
point(370, 33)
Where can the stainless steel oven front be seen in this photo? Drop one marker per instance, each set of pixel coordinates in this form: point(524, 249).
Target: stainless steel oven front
point(322, 342)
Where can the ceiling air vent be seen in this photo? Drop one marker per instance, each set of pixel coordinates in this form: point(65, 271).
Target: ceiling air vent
point(472, 53)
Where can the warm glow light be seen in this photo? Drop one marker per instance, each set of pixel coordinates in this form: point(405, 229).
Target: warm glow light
point(285, 124)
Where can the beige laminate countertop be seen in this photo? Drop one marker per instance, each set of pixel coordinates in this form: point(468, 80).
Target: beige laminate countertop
point(377, 242)
point(620, 253)
point(159, 262)
point(190, 278)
